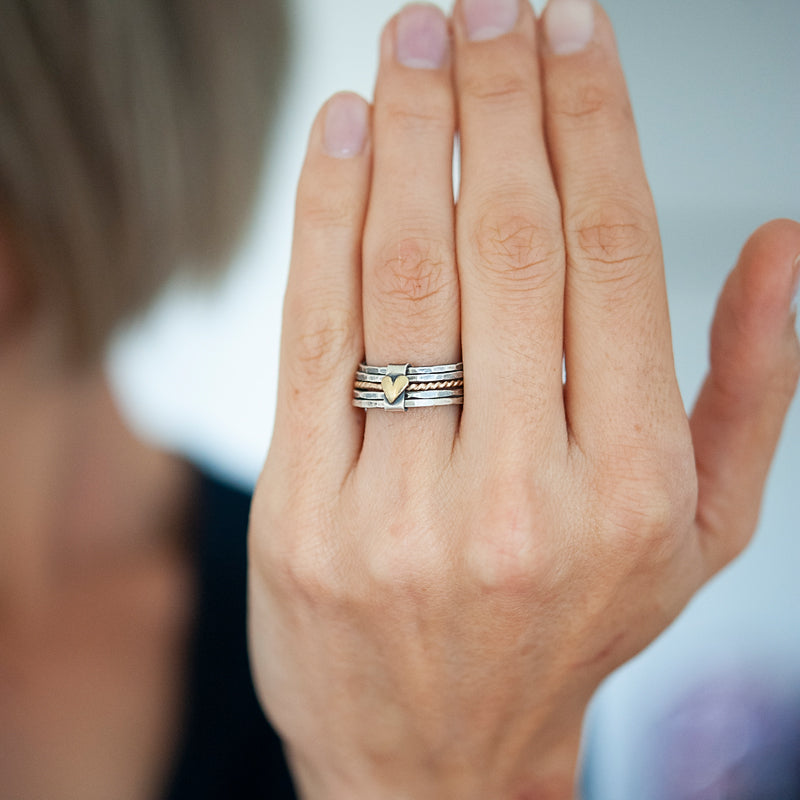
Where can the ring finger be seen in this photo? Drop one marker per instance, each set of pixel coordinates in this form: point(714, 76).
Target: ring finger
point(410, 284)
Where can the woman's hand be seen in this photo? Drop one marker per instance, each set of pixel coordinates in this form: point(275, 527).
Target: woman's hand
point(436, 594)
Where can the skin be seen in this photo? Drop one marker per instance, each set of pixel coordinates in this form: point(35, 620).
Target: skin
point(435, 595)
point(96, 592)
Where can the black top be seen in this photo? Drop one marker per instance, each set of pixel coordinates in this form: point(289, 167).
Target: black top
point(229, 750)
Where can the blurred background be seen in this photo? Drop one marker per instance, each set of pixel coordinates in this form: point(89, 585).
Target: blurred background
point(711, 711)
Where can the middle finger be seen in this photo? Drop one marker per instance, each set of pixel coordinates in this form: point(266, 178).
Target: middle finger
point(508, 231)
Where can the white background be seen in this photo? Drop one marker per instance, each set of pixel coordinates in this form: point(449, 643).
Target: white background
point(716, 91)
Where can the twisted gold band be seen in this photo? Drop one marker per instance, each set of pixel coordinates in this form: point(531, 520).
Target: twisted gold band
point(413, 387)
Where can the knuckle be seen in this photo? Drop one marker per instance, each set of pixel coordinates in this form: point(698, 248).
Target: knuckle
point(579, 102)
point(508, 84)
point(516, 246)
point(649, 499)
point(435, 115)
point(304, 571)
point(509, 88)
point(507, 551)
point(294, 556)
point(413, 272)
point(583, 104)
point(406, 561)
point(321, 204)
point(404, 553)
point(613, 237)
point(320, 210)
point(325, 337)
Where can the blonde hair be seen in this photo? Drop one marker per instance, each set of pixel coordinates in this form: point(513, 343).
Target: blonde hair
point(131, 140)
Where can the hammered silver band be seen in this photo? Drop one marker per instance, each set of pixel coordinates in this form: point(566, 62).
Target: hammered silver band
point(411, 371)
point(397, 387)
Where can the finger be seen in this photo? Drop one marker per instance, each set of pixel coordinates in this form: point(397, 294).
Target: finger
point(755, 363)
point(316, 428)
point(411, 308)
point(509, 239)
point(618, 348)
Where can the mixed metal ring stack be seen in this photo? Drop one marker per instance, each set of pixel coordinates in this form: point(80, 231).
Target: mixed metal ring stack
point(397, 387)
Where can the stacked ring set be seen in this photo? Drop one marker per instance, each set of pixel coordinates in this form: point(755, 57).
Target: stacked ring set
point(397, 387)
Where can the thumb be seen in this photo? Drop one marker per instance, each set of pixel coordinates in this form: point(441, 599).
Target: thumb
point(755, 365)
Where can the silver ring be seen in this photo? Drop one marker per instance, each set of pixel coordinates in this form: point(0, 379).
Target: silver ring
point(397, 387)
point(409, 370)
point(374, 377)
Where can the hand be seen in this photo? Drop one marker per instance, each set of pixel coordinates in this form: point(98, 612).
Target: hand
point(435, 595)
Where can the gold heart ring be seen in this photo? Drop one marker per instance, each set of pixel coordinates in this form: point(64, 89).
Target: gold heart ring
point(393, 388)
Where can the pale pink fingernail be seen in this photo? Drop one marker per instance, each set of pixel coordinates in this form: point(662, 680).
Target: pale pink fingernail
point(345, 126)
point(796, 281)
point(422, 36)
point(488, 19)
point(569, 25)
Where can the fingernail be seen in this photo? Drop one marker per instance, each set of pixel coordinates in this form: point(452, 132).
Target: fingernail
point(422, 37)
point(345, 126)
point(796, 282)
point(488, 19)
point(569, 25)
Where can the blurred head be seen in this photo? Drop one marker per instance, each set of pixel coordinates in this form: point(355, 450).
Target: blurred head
point(131, 140)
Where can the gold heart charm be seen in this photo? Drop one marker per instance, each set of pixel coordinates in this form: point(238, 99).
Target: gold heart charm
point(392, 389)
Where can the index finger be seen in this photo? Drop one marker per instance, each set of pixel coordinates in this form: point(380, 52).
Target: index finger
point(322, 340)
